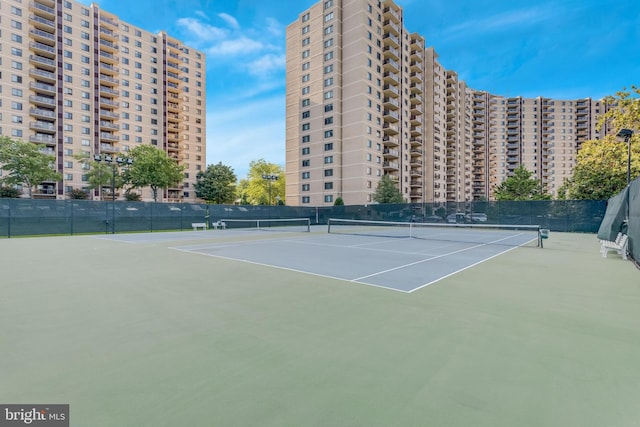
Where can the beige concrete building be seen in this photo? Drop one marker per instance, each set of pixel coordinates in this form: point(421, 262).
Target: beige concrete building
point(367, 98)
point(75, 79)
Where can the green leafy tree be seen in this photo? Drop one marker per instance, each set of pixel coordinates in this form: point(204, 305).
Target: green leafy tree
point(78, 194)
point(152, 168)
point(387, 192)
point(217, 184)
point(520, 186)
point(9, 192)
point(338, 202)
point(25, 164)
point(261, 191)
point(601, 165)
point(101, 174)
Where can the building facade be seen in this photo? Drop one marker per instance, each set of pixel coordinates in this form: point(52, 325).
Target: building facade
point(76, 80)
point(367, 98)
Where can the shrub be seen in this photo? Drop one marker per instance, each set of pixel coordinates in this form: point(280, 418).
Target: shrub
point(10, 192)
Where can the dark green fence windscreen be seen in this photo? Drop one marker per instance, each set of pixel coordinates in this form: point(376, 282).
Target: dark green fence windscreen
point(25, 217)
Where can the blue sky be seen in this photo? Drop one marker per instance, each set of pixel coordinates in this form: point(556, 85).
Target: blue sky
point(564, 49)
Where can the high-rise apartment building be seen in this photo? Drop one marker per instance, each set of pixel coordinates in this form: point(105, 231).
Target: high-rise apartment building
point(367, 98)
point(77, 80)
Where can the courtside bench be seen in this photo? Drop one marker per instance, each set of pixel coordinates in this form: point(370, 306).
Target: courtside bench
point(620, 245)
point(219, 224)
point(198, 225)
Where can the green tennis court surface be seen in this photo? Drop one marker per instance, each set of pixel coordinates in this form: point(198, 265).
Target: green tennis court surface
point(144, 335)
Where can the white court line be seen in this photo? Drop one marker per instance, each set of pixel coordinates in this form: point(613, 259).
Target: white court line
point(289, 269)
point(432, 258)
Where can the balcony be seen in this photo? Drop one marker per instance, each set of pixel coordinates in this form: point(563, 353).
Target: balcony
point(109, 136)
point(390, 141)
point(42, 87)
point(391, 103)
point(416, 55)
point(105, 124)
point(108, 68)
point(43, 49)
point(108, 102)
point(173, 77)
point(108, 58)
point(416, 76)
point(391, 153)
point(391, 128)
point(391, 66)
point(108, 34)
point(390, 90)
point(391, 27)
point(42, 139)
point(391, 77)
point(42, 75)
point(390, 166)
point(42, 23)
point(108, 22)
point(42, 10)
point(391, 52)
point(43, 126)
point(391, 40)
point(107, 91)
point(43, 114)
point(42, 100)
point(41, 61)
point(109, 114)
point(108, 79)
point(391, 115)
point(109, 46)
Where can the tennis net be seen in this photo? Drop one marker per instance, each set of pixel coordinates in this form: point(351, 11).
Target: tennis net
point(487, 234)
point(270, 224)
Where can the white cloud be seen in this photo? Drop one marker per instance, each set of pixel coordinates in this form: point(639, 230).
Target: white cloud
point(201, 14)
point(274, 27)
point(267, 65)
point(203, 32)
point(504, 21)
point(230, 20)
point(241, 45)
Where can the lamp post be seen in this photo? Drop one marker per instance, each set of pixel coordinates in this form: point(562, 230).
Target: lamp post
point(269, 179)
point(627, 134)
point(115, 164)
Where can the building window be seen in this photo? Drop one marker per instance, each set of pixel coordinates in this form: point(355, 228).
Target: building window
point(328, 107)
point(328, 172)
point(328, 120)
point(328, 146)
point(328, 69)
point(306, 175)
point(328, 133)
point(328, 160)
point(328, 17)
point(329, 29)
point(306, 138)
point(328, 94)
point(327, 56)
point(328, 185)
point(306, 126)
point(328, 199)
point(306, 114)
point(306, 102)
point(305, 199)
point(306, 163)
point(306, 150)
point(305, 187)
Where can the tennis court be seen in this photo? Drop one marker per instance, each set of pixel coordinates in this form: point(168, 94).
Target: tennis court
point(398, 256)
point(131, 332)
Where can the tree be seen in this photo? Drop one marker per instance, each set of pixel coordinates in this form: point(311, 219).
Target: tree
point(601, 165)
point(338, 202)
point(520, 186)
point(601, 170)
point(78, 194)
point(101, 174)
point(261, 191)
point(152, 168)
point(9, 192)
point(25, 164)
point(217, 184)
point(387, 192)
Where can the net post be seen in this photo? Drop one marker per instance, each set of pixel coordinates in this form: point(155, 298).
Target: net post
point(540, 237)
point(329, 226)
point(308, 225)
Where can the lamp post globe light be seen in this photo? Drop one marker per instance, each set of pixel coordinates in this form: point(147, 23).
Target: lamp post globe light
point(115, 164)
point(269, 179)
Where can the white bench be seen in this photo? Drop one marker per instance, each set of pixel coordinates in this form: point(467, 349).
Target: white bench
point(219, 224)
point(620, 245)
point(197, 225)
